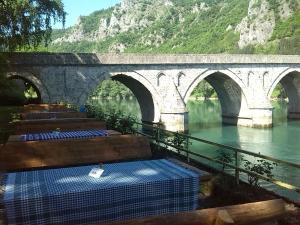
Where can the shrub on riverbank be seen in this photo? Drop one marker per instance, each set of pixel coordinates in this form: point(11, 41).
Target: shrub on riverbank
point(114, 119)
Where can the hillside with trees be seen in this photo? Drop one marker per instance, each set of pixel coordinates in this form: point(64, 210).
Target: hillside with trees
point(186, 26)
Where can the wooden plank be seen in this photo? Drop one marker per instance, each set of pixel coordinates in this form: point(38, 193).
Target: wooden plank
point(35, 126)
point(244, 214)
point(51, 115)
point(55, 153)
point(47, 107)
point(113, 133)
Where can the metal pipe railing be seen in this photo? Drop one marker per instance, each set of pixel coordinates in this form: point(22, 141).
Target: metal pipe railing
point(157, 135)
point(236, 151)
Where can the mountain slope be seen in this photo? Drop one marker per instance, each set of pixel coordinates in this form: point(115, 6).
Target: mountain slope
point(187, 26)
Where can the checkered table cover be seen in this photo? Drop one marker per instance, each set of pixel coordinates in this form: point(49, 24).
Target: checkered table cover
point(64, 135)
point(125, 191)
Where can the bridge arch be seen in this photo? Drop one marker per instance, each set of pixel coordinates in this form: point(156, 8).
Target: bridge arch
point(145, 93)
point(230, 90)
point(279, 78)
point(290, 81)
point(36, 83)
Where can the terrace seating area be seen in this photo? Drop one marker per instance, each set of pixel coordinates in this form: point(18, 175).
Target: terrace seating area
point(49, 167)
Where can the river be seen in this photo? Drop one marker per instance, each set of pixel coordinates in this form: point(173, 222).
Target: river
point(282, 141)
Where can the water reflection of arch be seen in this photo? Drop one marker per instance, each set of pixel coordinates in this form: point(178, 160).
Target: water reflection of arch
point(41, 90)
point(230, 90)
point(145, 93)
point(290, 81)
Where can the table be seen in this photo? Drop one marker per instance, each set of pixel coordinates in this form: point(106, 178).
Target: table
point(126, 190)
point(63, 135)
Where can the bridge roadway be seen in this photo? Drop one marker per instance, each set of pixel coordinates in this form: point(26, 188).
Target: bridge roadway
point(162, 84)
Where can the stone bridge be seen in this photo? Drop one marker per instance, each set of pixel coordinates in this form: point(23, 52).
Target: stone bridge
point(162, 84)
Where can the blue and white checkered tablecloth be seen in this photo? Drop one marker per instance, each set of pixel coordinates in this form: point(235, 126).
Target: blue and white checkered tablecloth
point(64, 135)
point(125, 191)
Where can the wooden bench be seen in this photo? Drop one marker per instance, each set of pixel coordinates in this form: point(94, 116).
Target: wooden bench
point(51, 115)
point(244, 214)
point(46, 125)
point(60, 153)
point(46, 107)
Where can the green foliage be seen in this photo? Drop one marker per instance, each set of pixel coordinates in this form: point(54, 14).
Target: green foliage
point(114, 118)
point(293, 4)
point(274, 5)
point(112, 89)
point(115, 89)
point(289, 46)
point(224, 157)
point(91, 23)
point(25, 23)
point(177, 140)
point(83, 47)
point(260, 166)
point(279, 92)
point(287, 28)
point(249, 49)
point(204, 90)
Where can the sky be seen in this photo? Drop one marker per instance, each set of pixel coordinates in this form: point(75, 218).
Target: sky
point(76, 8)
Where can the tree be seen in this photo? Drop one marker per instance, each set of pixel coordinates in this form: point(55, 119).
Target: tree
point(24, 23)
point(27, 23)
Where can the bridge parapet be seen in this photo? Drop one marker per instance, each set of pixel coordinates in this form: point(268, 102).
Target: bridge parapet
point(144, 59)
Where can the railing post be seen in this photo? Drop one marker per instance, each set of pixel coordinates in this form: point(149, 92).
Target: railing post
point(157, 136)
point(237, 172)
point(187, 149)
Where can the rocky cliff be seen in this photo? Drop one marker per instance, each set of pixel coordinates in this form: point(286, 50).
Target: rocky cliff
point(187, 26)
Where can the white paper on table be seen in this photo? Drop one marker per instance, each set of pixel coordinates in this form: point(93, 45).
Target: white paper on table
point(96, 172)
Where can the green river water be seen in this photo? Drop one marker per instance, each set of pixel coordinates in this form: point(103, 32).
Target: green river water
point(282, 141)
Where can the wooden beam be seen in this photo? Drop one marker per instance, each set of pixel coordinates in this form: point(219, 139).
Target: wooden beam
point(245, 214)
point(69, 152)
point(46, 107)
